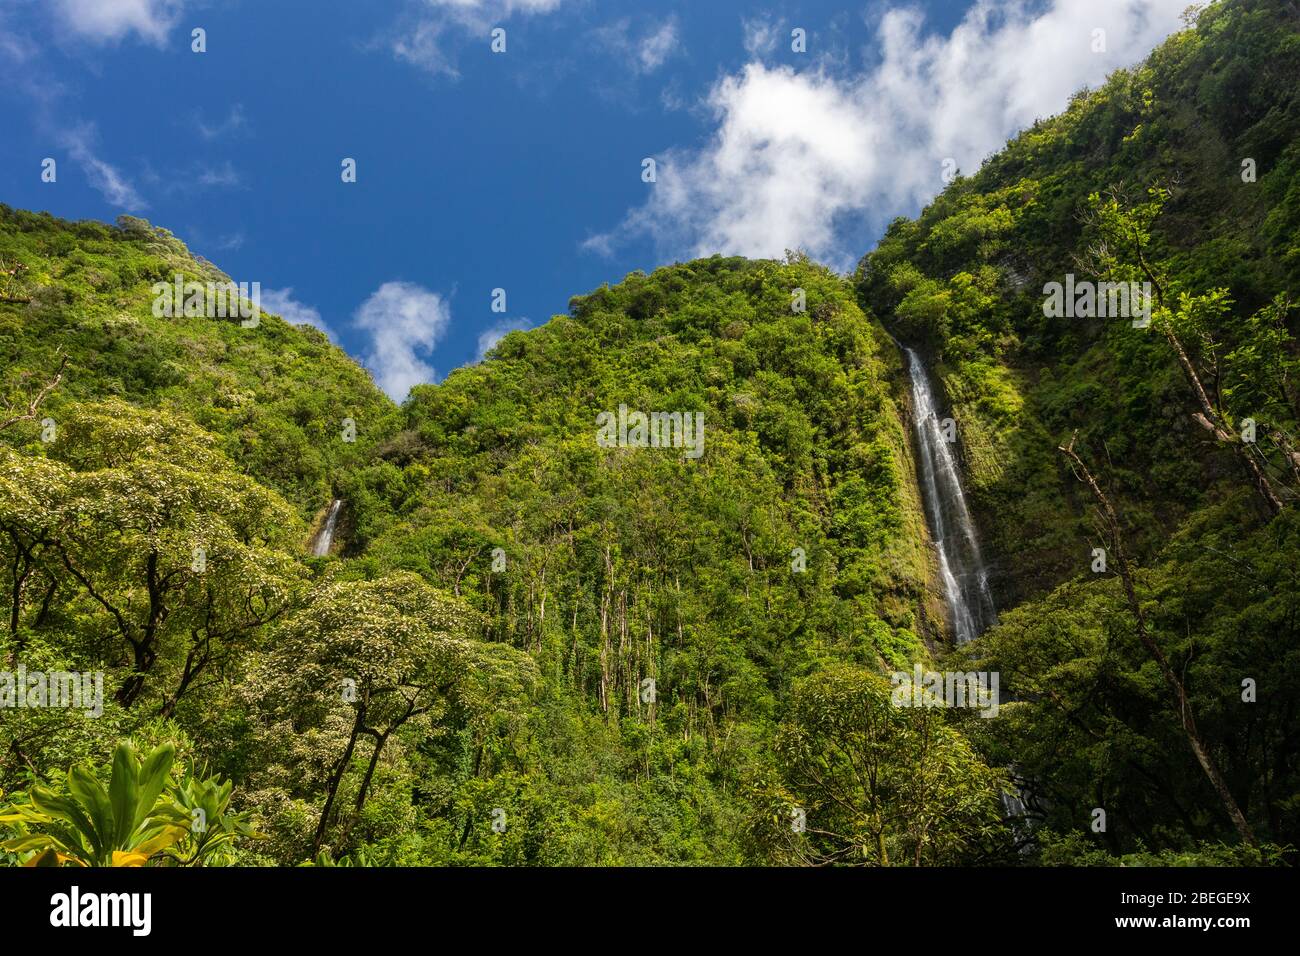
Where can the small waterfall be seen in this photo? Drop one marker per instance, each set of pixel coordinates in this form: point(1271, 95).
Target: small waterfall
point(321, 547)
point(961, 566)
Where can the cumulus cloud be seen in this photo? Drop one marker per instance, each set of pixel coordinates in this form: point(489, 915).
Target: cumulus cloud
point(428, 39)
point(111, 20)
point(405, 321)
point(797, 155)
point(79, 141)
point(489, 338)
point(282, 303)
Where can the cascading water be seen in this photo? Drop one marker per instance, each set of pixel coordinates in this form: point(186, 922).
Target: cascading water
point(965, 578)
point(325, 538)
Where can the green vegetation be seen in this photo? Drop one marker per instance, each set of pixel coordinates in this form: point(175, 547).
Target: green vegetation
point(1140, 181)
point(533, 649)
point(966, 280)
point(275, 396)
point(143, 816)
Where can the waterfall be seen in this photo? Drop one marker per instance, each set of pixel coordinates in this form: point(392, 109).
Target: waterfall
point(325, 537)
point(961, 566)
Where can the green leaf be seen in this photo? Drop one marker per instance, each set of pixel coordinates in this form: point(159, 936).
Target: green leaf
point(124, 794)
point(153, 779)
point(90, 794)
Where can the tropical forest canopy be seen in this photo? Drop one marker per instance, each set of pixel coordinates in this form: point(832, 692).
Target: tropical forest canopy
point(527, 647)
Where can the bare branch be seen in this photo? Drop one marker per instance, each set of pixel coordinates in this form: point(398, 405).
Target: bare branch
point(34, 404)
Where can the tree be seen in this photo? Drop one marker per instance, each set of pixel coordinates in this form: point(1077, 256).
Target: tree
point(173, 550)
point(374, 657)
point(12, 286)
point(13, 407)
point(871, 782)
point(28, 488)
point(1124, 251)
point(1187, 718)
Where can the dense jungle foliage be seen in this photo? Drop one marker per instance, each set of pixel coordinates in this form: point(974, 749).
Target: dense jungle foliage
point(527, 648)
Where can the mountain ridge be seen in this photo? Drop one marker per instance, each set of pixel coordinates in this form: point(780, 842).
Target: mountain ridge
point(638, 657)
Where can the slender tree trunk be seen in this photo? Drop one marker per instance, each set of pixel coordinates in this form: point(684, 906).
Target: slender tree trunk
point(22, 569)
point(194, 664)
point(146, 652)
point(143, 656)
point(1185, 715)
point(1213, 423)
point(363, 792)
point(1209, 417)
point(605, 600)
point(380, 740)
point(45, 602)
point(337, 778)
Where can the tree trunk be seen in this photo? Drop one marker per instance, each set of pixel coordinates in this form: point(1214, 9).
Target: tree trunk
point(337, 778)
point(1185, 715)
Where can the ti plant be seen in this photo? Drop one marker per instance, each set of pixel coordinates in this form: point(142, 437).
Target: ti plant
point(212, 829)
point(142, 817)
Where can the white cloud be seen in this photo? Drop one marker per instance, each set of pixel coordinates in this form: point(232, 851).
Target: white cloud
point(657, 46)
point(109, 20)
point(15, 48)
point(219, 176)
point(506, 7)
point(489, 338)
point(760, 36)
point(79, 141)
point(643, 53)
point(282, 303)
point(234, 122)
point(405, 322)
point(797, 155)
point(428, 39)
point(671, 98)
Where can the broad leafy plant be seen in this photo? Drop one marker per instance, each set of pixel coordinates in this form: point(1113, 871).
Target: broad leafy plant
point(140, 818)
point(213, 830)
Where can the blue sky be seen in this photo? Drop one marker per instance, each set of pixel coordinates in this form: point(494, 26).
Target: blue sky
point(520, 170)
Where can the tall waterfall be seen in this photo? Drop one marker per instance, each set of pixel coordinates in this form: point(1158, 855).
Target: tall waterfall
point(965, 578)
point(325, 537)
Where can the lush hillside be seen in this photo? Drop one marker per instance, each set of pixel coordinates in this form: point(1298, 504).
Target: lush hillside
point(966, 278)
point(276, 394)
point(543, 640)
point(1216, 570)
point(622, 626)
point(659, 593)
